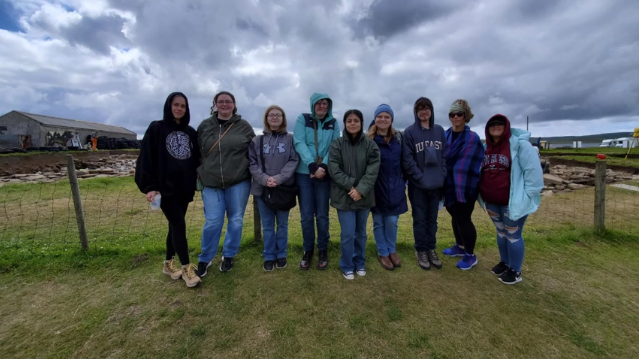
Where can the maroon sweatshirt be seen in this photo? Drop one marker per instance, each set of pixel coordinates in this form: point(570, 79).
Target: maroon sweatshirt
point(495, 177)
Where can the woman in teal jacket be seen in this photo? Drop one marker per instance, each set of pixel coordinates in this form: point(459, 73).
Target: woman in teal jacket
point(510, 184)
point(354, 161)
point(312, 135)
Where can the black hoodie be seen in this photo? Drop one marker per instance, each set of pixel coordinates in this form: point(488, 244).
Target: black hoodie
point(169, 156)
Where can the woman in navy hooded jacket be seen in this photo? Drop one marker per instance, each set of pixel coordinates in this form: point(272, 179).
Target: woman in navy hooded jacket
point(389, 189)
point(167, 165)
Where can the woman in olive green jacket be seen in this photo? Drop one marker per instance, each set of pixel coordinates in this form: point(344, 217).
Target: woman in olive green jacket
point(354, 161)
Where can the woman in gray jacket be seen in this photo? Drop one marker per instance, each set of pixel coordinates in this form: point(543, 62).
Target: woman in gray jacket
point(276, 147)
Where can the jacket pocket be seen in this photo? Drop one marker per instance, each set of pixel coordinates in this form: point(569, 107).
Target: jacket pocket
point(430, 157)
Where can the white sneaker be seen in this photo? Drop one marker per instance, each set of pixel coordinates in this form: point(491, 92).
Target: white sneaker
point(348, 275)
point(361, 272)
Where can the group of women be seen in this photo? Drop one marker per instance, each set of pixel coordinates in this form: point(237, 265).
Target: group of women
point(356, 171)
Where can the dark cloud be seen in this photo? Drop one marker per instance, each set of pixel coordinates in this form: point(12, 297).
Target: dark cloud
point(97, 33)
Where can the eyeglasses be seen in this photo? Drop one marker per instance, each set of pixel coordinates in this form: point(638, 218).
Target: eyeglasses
point(227, 102)
point(322, 103)
point(456, 114)
point(274, 115)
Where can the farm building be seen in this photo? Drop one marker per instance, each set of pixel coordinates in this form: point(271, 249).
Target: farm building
point(25, 130)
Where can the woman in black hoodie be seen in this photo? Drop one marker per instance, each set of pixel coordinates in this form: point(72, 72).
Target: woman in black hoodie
point(167, 165)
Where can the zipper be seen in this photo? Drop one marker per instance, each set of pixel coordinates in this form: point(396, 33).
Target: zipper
point(220, 152)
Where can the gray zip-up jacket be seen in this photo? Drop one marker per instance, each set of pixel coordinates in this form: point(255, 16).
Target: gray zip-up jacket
point(280, 159)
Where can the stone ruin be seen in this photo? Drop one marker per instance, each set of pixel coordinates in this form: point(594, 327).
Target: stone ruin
point(562, 178)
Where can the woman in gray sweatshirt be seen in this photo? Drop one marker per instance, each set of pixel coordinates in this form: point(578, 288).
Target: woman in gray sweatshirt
point(276, 147)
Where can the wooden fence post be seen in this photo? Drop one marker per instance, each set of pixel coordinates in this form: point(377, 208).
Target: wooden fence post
point(257, 224)
point(77, 202)
point(601, 189)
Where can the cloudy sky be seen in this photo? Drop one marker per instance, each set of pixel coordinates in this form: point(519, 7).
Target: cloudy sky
point(571, 66)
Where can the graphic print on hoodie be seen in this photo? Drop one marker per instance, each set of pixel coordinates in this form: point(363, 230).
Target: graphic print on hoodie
point(169, 156)
point(495, 180)
point(423, 156)
point(280, 159)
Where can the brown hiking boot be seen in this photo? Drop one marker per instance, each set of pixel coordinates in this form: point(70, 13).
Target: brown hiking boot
point(433, 258)
point(423, 260)
point(395, 259)
point(189, 275)
point(385, 262)
point(171, 269)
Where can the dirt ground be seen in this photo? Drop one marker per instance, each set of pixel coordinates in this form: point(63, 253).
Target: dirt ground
point(50, 162)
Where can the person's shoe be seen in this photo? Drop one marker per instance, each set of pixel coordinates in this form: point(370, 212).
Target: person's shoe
point(305, 263)
point(454, 251)
point(227, 264)
point(499, 268)
point(385, 262)
point(202, 268)
point(510, 277)
point(348, 275)
point(433, 258)
point(467, 262)
point(281, 263)
point(268, 266)
point(171, 269)
point(361, 272)
point(395, 259)
point(323, 260)
point(423, 260)
point(189, 275)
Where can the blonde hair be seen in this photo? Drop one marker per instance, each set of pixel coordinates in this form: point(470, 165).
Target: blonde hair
point(468, 115)
point(283, 126)
point(373, 130)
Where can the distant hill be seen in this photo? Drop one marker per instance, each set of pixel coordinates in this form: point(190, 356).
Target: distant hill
point(585, 139)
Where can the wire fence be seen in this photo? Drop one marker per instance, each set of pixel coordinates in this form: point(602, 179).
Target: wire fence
point(39, 219)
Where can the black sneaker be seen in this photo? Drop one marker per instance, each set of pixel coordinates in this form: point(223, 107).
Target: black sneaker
point(227, 264)
point(202, 268)
point(305, 263)
point(510, 277)
point(499, 268)
point(281, 263)
point(268, 266)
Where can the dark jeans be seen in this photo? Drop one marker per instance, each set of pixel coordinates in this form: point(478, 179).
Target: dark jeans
point(463, 228)
point(175, 211)
point(424, 210)
point(313, 200)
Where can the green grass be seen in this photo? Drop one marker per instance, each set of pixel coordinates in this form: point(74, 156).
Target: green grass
point(617, 161)
point(579, 297)
point(594, 150)
point(34, 153)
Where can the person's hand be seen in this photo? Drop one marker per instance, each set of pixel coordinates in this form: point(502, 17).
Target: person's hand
point(151, 195)
point(271, 182)
point(355, 195)
point(320, 172)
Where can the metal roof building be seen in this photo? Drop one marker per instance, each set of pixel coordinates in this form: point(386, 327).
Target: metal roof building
point(31, 130)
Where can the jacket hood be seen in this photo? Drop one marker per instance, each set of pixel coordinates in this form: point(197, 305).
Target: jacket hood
point(505, 135)
point(317, 96)
point(415, 113)
point(168, 114)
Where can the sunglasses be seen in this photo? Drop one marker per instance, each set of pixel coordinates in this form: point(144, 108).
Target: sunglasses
point(456, 114)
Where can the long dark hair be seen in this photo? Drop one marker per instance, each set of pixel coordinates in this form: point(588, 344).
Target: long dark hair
point(215, 99)
point(354, 112)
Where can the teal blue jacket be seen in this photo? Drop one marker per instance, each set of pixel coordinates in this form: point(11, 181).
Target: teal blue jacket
point(303, 135)
point(526, 176)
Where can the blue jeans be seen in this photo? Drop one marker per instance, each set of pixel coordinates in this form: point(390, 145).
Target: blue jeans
point(509, 235)
point(217, 202)
point(385, 232)
point(424, 210)
point(275, 241)
point(313, 200)
point(353, 237)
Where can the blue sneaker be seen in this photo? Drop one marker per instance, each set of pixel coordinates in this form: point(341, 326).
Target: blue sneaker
point(467, 262)
point(454, 251)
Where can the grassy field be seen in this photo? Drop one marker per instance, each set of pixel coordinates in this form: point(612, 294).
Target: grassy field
point(594, 150)
point(579, 297)
point(617, 161)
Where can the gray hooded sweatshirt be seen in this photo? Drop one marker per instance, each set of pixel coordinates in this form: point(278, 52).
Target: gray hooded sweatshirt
point(423, 155)
point(280, 158)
